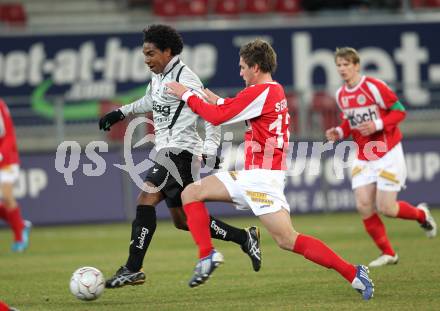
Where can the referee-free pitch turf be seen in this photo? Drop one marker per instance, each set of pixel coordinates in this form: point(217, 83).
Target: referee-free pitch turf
point(39, 278)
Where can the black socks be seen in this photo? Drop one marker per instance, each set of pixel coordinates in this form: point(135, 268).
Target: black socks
point(225, 232)
point(142, 230)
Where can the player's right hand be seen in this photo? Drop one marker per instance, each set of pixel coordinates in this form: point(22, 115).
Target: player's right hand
point(332, 134)
point(210, 96)
point(109, 119)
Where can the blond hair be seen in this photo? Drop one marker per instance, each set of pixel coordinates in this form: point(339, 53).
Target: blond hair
point(348, 53)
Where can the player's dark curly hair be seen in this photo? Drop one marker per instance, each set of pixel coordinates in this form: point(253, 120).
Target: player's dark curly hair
point(261, 53)
point(163, 37)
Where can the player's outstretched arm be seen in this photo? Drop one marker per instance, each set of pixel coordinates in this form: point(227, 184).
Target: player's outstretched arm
point(139, 106)
point(246, 105)
point(210, 96)
point(106, 122)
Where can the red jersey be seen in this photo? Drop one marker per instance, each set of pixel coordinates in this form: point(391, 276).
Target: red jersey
point(370, 100)
point(264, 107)
point(8, 143)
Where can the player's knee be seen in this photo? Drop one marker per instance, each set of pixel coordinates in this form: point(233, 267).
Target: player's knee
point(284, 242)
point(386, 209)
point(9, 203)
point(361, 204)
point(190, 194)
point(145, 198)
point(365, 208)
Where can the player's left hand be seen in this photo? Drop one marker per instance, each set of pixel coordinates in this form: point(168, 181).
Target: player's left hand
point(106, 122)
point(176, 89)
point(367, 128)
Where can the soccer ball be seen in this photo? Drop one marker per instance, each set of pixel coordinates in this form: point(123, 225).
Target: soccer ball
point(87, 283)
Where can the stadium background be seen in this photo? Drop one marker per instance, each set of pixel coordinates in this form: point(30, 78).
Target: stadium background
point(64, 63)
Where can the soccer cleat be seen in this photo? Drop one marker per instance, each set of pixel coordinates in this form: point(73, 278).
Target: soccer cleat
point(384, 260)
point(362, 283)
point(429, 225)
point(252, 247)
point(205, 267)
point(124, 277)
point(20, 246)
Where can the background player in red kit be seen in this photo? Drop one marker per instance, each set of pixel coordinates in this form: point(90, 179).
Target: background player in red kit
point(260, 186)
point(9, 171)
point(371, 114)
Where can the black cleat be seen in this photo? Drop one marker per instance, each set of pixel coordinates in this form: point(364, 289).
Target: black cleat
point(252, 247)
point(125, 277)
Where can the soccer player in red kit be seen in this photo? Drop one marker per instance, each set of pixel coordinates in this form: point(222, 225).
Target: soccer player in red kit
point(371, 114)
point(260, 186)
point(9, 172)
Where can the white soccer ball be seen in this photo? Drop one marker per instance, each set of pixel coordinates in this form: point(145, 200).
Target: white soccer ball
point(87, 283)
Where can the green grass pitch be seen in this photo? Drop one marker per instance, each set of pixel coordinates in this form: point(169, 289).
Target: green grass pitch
point(39, 278)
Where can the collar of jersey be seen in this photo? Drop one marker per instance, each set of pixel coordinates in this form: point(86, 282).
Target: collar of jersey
point(353, 89)
point(171, 65)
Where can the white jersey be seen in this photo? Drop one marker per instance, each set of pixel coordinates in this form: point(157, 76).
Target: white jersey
point(175, 123)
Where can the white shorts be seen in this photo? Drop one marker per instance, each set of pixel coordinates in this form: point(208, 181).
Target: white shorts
point(9, 174)
point(259, 190)
point(388, 172)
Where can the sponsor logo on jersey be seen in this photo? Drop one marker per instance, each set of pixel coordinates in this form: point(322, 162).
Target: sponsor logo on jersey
point(163, 110)
point(357, 116)
point(259, 197)
point(361, 100)
point(346, 100)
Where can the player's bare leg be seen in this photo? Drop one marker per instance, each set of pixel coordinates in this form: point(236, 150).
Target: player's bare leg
point(21, 228)
point(209, 188)
point(386, 202)
point(365, 197)
point(388, 205)
point(280, 227)
point(366, 206)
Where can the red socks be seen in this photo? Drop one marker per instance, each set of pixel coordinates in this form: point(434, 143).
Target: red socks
point(3, 306)
point(316, 251)
point(408, 211)
point(197, 218)
point(13, 218)
point(376, 230)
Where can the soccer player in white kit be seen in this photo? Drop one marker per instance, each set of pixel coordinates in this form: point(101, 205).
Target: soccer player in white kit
point(260, 186)
point(371, 114)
